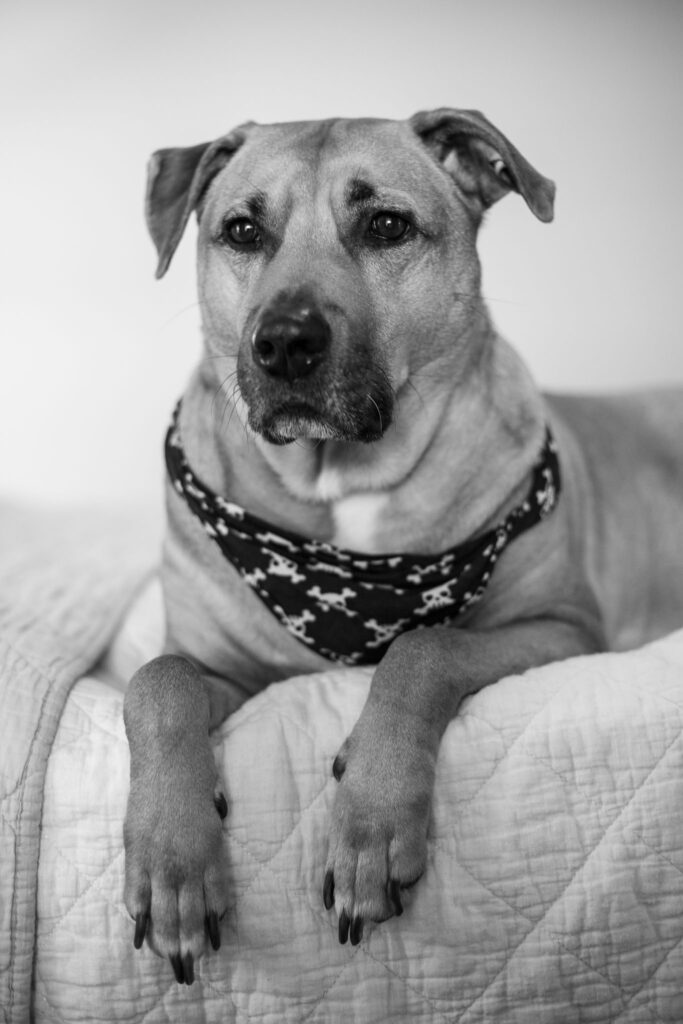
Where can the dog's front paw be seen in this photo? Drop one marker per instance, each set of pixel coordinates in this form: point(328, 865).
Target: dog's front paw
point(378, 837)
point(175, 887)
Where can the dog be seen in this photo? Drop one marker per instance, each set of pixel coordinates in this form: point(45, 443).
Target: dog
point(362, 471)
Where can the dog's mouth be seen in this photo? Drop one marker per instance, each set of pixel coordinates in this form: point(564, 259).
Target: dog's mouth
point(295, 421)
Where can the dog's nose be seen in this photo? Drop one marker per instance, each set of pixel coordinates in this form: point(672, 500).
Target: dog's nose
point(290, 344)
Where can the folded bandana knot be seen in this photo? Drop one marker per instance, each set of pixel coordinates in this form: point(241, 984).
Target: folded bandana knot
point(346, 605)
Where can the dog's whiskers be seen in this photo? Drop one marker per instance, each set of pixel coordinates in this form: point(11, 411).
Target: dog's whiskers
point(222, 387)
point(179, 313)
point(305, 443)
point(410, 383)
point(504, 302)
point(379, 414)
point(229, 401)
point(235, 396)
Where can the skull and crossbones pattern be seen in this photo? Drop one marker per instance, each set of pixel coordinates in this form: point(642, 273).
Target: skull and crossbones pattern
point(346, 605)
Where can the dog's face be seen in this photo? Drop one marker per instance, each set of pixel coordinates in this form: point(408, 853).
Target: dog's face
point(309, 254)
point(336, 260)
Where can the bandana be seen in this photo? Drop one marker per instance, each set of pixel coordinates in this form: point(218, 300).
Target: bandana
point(346, 605)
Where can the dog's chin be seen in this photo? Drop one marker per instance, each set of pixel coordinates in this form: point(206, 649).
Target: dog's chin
point(301, 423)
point(286, 428)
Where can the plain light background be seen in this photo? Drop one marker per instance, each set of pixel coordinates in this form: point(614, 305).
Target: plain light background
point(94, 352)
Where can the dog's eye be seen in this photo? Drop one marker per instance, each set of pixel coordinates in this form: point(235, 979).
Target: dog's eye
point(241, 232)
point(389, 226)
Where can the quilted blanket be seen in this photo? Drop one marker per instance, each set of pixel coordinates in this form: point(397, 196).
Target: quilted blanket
point(554, 887)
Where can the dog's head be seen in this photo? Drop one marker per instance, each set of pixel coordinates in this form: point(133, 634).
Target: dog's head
point(337, 258)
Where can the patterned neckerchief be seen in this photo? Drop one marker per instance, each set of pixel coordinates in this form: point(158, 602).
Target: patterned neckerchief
point(346, 605)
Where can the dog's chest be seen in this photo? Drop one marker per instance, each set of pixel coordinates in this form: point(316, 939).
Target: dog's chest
point(358, 522)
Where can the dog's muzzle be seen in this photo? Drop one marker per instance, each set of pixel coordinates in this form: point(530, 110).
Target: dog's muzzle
point(308, 373)
point(290, 344)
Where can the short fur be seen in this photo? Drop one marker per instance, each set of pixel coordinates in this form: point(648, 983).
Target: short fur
point(403, 423)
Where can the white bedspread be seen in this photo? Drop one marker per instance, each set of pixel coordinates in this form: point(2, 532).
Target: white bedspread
point(554, 887)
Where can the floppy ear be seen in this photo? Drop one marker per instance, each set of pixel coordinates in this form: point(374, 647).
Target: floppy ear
point(482, 162)
point(176, 179)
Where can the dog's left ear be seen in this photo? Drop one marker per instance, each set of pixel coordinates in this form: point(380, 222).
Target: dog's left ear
point(483, 163)
point(176, 180)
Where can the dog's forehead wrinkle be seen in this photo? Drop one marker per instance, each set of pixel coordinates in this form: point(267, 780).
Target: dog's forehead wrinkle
point(257, 204)
point(320, 169)
point(359, 190)
point(282, 149)
point(404, 186)
point(263, 179)
point(361, 193)
point(329, 132)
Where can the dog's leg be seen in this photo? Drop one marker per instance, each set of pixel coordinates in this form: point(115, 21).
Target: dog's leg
point(386, 766)
point(175, 859)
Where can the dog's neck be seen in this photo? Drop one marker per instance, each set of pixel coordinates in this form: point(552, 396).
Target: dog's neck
point(443, 470)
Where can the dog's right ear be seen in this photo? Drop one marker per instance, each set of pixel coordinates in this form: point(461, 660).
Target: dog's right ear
point(176, 179)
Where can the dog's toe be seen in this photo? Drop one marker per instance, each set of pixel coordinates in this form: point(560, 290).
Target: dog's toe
point(339, 763)
point(328, 891)
point(378, 839)
point(141, 922)
point(180, 921)
point(183, 968)
point(188, 968)
point(395, 896)
point(356, 932)
point(220, 803)
point(344, 922)
point(351, 923)
point(176, 876)
point(213, 929)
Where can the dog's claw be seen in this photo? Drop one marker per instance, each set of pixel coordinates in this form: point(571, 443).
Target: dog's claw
point(213, 929)
point(338, 767)
point(221, 805)
point(328, 891)
point(178, 970)
point(183, 968)
point(188, 968)
point(395, 896)
point(356, 930)
point(141, 922)
point(344, 922)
